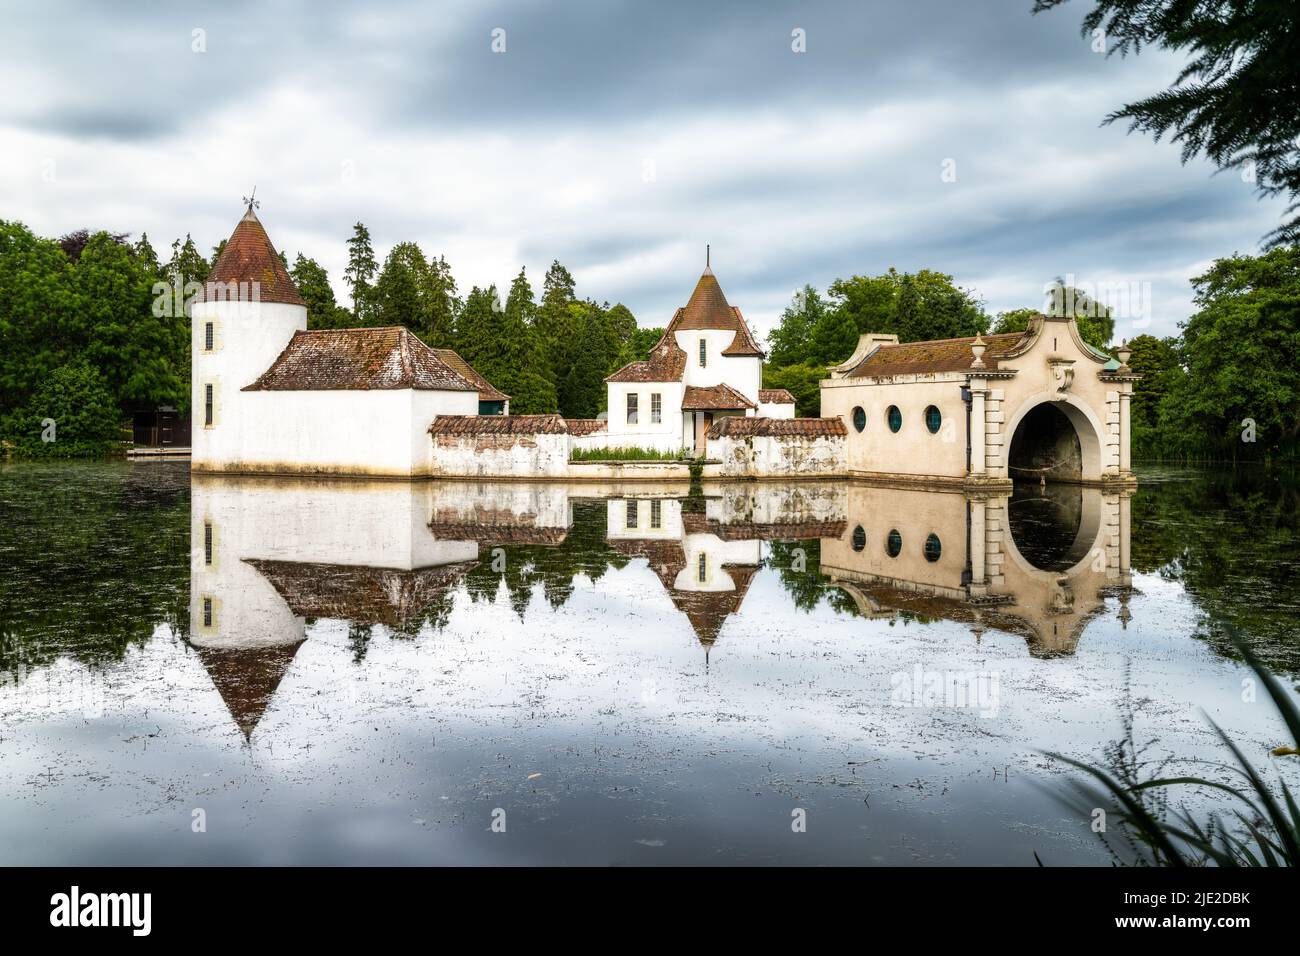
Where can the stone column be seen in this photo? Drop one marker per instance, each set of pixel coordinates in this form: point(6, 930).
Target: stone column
point(977, 426)
point(978, 565)
point(1125, 429)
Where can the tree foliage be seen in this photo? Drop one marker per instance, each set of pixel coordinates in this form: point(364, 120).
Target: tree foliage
point(1234, 101)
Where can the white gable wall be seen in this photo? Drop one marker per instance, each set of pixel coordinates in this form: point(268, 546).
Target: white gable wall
point(743, 373)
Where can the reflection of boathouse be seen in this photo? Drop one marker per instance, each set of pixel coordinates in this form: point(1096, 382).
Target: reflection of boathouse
point(1038, 563)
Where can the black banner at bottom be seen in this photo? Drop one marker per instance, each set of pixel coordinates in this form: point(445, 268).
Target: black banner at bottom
point(340, 905)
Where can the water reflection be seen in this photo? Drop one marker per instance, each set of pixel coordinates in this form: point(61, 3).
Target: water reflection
point(271, 555)
point(1039, 563)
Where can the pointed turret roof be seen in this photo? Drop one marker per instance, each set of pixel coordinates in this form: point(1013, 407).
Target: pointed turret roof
point(249, 257)
point(708, 308)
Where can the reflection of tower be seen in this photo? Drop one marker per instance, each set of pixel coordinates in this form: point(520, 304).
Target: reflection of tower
point(706, 575)
point(268, 553)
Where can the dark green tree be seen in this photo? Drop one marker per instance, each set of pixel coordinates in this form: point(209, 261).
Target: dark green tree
point(73, 413)
point(1235, 99)
point(791, 342)
point(582, 392)
point(1240, 398)
point(36, 300)
point(360, 271)
point(313, 283)
point(441, 305)
point(400, 293)
point(554, 322)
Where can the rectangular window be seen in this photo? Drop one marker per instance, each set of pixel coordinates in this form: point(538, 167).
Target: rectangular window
point(631, 514)
point(207, 612)
point(207, 542)
point(656, 408)
point(207, 404)
point(631, 408)
point(656, 514)
point(704, 352)
point(207, 337)
point(703, 573)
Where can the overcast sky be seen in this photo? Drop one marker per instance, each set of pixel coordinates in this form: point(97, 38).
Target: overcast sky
point(620, 138)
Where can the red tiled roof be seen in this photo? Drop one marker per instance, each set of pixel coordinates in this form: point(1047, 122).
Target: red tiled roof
point(667, 363)
point(775, 396)
point(250, 258)
point(586, 426)
point(721, 396)
point(487, 392)
point(707, 308)
point(498, 425)
point(330, 359)
point(735, 426)
point(940, 355)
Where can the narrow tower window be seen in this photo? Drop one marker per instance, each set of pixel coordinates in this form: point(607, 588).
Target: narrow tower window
point(207, 542)
point(703, 573)
point(207, 404)
point(704, 352)
point(207, 336)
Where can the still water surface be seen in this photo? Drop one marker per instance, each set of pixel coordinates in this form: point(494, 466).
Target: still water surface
point(352, 672)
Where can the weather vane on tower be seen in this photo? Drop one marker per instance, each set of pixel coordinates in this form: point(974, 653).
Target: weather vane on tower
point(251, 201)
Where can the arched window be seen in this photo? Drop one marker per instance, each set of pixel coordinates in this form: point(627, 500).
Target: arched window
point(895, 418)
point(933, 419)
point(894, 544)
point(859, 538)
point(859, 418)
point(933, 548)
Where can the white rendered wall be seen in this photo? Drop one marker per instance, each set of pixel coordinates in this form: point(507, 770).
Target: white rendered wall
point(775, 410)
point(379, 433)
point(665, 435)
point(247, 338)
point(743, 373)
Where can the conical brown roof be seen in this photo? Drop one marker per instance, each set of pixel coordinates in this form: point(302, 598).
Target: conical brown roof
point(247, 678)
point(708, 308)
point(250, 268)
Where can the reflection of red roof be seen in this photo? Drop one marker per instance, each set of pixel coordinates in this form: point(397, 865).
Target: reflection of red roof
point(706, 610)
point(247, 678)
point(359, 594)
point(250, 262)
point(721, 396)
point(365, 359)
point(940, 355)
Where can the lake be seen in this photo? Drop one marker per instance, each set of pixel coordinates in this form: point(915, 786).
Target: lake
point(268, 671)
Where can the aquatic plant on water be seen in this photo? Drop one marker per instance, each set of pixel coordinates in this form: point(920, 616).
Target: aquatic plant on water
point(1257, 825)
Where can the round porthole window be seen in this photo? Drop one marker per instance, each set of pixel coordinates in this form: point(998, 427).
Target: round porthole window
point(933, 419)
point(933, 548)
point(894, 544)
point(859, 538)
point(895, 418)
point(859, 418)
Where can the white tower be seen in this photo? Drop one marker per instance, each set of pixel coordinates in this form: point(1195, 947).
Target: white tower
point(249, 311)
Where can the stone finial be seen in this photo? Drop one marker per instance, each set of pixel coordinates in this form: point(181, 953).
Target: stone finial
point(977, 349)
point(1123, 353)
